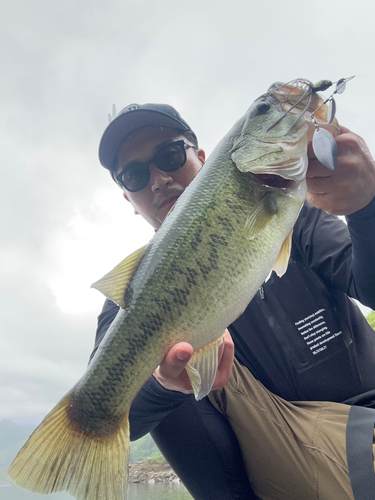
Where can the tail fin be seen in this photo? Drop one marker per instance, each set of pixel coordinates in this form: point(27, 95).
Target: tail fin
point(59, 456)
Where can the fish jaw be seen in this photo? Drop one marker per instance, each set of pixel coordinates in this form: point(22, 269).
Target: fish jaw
point(292, 169)
point(286, 158)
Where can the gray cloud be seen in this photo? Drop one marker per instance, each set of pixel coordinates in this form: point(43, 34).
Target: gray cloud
point(63, 65)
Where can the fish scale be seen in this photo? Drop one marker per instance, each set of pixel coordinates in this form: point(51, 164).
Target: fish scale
point(138, 324)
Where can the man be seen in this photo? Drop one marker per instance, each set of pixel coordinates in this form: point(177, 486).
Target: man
point(276, 337)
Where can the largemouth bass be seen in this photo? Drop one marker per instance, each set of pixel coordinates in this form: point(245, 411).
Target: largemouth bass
point(229, 228)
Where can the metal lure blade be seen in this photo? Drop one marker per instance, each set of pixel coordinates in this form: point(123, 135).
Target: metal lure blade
point(341, 85)
point(325, 148)
point(331, 110)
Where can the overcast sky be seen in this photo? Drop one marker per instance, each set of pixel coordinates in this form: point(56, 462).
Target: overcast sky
point(64, 63)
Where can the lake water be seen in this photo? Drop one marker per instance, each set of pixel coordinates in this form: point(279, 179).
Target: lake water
point(146, 491)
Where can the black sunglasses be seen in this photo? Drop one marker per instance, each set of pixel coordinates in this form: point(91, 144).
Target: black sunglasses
point(136, 176)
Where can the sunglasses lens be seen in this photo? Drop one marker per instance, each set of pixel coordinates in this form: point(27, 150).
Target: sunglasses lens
point(136, 177)
point(171, 158)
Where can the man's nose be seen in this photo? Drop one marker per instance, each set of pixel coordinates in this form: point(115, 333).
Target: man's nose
point(158, 178)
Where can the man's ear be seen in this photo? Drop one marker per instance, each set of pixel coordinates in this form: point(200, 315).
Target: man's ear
point(127, 199)
point(201, 155)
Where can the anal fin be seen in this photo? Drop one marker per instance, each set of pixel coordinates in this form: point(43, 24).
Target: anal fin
point(202, 368)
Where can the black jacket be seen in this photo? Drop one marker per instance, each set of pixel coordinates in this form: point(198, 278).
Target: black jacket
point(301, 335)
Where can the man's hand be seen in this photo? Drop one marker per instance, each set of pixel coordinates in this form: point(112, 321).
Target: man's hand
point(348, 188)
point(171, 373)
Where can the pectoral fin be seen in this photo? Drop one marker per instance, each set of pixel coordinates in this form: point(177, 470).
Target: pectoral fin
point(281, 263)
point(114, 283)
point(260, 216)
point(202, 368)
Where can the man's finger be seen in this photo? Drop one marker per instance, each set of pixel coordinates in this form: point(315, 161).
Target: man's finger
point(175, 360)
point(344, 130)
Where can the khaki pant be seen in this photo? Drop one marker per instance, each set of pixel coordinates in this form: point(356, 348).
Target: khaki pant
point(291, 451)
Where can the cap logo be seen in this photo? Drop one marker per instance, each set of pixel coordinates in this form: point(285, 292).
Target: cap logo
point(131, 107)
point(112, 116)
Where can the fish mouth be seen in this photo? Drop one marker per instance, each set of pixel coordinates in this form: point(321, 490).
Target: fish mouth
point(276, 181)
point(282, 174)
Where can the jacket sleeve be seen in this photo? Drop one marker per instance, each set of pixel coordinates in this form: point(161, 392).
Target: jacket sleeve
point(362, 231)
point(341, 254)
point(153, 403)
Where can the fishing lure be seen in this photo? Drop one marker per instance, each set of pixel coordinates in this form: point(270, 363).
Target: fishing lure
point(303, 95)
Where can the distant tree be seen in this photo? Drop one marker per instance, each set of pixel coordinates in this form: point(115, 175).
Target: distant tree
point(143, 448)
point(371, 319)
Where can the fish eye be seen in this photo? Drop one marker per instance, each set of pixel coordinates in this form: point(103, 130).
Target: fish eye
point(262, 107)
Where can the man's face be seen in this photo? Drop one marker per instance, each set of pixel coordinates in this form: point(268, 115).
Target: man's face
point(155, 200)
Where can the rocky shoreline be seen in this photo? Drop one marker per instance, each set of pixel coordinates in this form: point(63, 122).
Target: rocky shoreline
point(157, 473)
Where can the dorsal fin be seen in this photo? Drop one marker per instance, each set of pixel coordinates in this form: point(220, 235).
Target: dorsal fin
point(114, 283)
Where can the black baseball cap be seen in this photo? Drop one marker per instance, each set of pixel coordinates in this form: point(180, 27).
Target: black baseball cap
point(130, 119)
